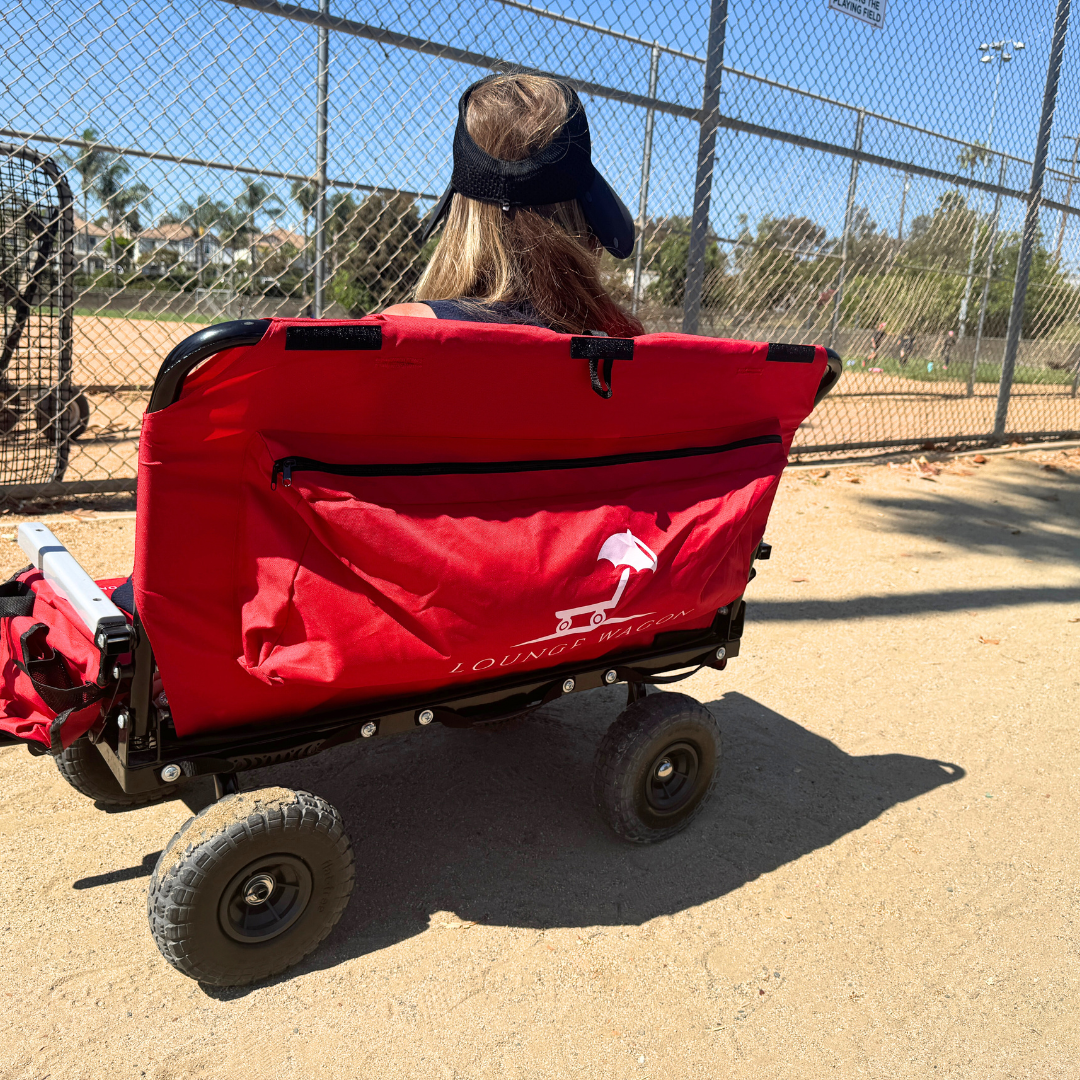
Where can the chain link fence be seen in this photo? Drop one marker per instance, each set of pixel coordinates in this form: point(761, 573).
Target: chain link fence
point(903, 193)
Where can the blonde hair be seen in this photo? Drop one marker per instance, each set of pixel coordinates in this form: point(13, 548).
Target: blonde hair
point(542, 256)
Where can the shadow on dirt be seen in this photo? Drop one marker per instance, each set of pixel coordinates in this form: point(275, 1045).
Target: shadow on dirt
point(500, 828)
point(1020, 508)
point(890, 605)
point(144, 869)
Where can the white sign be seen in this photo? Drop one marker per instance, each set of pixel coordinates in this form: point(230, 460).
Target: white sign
point(871, 12)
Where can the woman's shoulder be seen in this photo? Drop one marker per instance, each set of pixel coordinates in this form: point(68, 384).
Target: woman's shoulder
point(416, 311)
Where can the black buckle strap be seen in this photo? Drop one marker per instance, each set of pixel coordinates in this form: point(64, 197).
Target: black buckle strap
point(16, 600)
point(52, 681)
point(607, 349)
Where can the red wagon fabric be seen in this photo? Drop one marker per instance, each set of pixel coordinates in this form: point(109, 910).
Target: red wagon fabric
point(50, 668)
point(352, 511)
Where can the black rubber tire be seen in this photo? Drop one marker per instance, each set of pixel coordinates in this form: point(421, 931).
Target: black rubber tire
point(83, 767)
point(205, 865)
point(81, 416)
point(644, 734)
point(76, 421)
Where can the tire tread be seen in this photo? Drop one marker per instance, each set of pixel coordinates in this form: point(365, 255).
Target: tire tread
point(635, 726)
point(171, 895)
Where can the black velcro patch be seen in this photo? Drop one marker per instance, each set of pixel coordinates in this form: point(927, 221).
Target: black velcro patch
point(601, 348)
point(325, 338)
point(791, 354)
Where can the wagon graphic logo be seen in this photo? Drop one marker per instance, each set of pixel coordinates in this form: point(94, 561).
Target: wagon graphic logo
point(620, 549)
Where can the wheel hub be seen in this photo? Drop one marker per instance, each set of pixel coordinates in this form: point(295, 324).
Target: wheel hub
point(672, 778)
point(265, 898)
point(258, 889)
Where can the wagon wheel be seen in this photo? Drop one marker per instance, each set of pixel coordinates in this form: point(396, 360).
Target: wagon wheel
point(83, 767)
point(656, 767)
point(250, 886)
point(75, 418)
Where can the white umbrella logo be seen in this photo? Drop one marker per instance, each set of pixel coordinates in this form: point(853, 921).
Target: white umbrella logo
point(620, 549)
point(625, 549)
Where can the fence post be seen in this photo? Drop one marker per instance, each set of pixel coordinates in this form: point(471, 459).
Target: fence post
point(322, 94)
point(849, 209)
point(903, 206)
point(646, 166)
point(989, 275)
point(710, 121)
point(1031, 218)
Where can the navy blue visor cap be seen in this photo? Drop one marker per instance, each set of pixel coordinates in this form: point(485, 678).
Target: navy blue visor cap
point(561, 171)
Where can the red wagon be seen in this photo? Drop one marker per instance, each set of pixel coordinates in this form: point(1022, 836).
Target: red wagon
point(355, 529)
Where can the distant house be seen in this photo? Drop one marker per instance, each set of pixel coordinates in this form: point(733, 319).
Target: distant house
point(88, 243)
point(274, 241)
point(182, 242)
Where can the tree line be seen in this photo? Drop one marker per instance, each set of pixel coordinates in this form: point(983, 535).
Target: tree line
point(783, 270)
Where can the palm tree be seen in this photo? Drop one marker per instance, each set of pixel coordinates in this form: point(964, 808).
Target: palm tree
point(306, 194)
point(256, 198)
point(978, 153)
point(232, 227)
point(203, 216)
point(88, 162)
point(120, 201)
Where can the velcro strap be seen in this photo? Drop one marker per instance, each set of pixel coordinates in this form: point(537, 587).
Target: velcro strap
point(52, 680)
point(16, 599)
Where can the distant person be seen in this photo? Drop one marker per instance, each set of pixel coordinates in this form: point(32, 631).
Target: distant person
point(876, 338)
point(907, 346)
point(947, 348)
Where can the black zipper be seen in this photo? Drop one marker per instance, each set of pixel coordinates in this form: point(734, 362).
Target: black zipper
point(286, 466)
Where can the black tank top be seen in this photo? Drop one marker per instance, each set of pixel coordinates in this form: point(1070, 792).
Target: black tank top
point(474, 311)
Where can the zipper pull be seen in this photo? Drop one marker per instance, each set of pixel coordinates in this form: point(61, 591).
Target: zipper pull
point(283, 466)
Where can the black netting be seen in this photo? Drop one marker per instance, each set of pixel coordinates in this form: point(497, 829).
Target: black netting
point(35, 356)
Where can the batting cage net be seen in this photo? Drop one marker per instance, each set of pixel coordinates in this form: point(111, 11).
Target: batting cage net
point(38, 413)
point(894, 180)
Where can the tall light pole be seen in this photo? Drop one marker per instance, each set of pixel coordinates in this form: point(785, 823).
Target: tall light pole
point(1068, 191)
point(1001, 48)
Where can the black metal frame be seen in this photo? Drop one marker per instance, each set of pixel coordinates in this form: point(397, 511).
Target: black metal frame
point(138, 740)
point(63, 248)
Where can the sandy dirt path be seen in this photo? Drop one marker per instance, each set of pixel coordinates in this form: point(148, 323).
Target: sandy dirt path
point(886, 884)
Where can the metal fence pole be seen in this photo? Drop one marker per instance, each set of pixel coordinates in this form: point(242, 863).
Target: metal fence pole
point(986, 281)
point(710, 117)
point(849, 210)
point(903, 207)
point(646, 165)
point(1068, 192)
point(1031, 218)
point(322, 95)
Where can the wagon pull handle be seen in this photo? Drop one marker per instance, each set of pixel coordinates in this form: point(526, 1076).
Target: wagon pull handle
point(607, 349)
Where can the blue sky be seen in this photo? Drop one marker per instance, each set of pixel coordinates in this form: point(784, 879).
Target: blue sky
point(213, 81)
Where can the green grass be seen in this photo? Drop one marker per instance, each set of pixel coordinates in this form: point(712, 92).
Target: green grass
point(958, 371)
point(165, 316)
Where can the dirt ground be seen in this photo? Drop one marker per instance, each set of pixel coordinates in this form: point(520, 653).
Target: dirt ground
point(886, 884)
